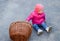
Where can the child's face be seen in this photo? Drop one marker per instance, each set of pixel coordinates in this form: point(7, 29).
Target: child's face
point(40, 11)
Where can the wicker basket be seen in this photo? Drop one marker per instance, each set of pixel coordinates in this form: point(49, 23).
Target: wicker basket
point(20, 31)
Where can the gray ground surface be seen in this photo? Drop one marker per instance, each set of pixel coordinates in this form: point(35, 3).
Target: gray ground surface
point(14, 10)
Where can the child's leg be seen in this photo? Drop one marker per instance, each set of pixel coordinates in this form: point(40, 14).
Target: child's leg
point(36, 27)
point(46, 27)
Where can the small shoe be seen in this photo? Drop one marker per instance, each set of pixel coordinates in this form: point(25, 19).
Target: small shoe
point(48, 29)
point(39, 31)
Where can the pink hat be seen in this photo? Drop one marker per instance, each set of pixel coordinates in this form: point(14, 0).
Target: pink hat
point(38, 7)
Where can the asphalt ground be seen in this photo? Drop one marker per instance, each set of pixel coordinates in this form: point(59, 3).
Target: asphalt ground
point(18, 10)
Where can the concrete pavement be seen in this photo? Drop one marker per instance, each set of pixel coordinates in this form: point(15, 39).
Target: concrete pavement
point(14, 10)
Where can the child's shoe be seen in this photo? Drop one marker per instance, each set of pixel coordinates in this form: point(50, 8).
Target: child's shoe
point(48, 29)
point(39, 31)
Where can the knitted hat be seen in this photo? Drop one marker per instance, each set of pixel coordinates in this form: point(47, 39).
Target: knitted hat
point(38, 7)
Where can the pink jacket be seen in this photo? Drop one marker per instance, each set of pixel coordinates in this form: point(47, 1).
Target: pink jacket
point(36, 18)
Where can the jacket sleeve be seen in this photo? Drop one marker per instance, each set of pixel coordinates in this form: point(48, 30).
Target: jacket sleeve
point(43, 15)
point(29, 17)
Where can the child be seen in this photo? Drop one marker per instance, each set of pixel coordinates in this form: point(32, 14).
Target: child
point(38, 18)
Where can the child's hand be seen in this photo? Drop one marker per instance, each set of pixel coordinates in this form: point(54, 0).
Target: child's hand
point(26, 21)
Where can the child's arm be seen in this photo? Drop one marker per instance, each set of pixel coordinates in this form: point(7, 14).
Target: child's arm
point(29, 17)
point(43, 15)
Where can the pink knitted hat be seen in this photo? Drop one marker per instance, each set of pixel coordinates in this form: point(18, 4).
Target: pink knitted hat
point(38, 7)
